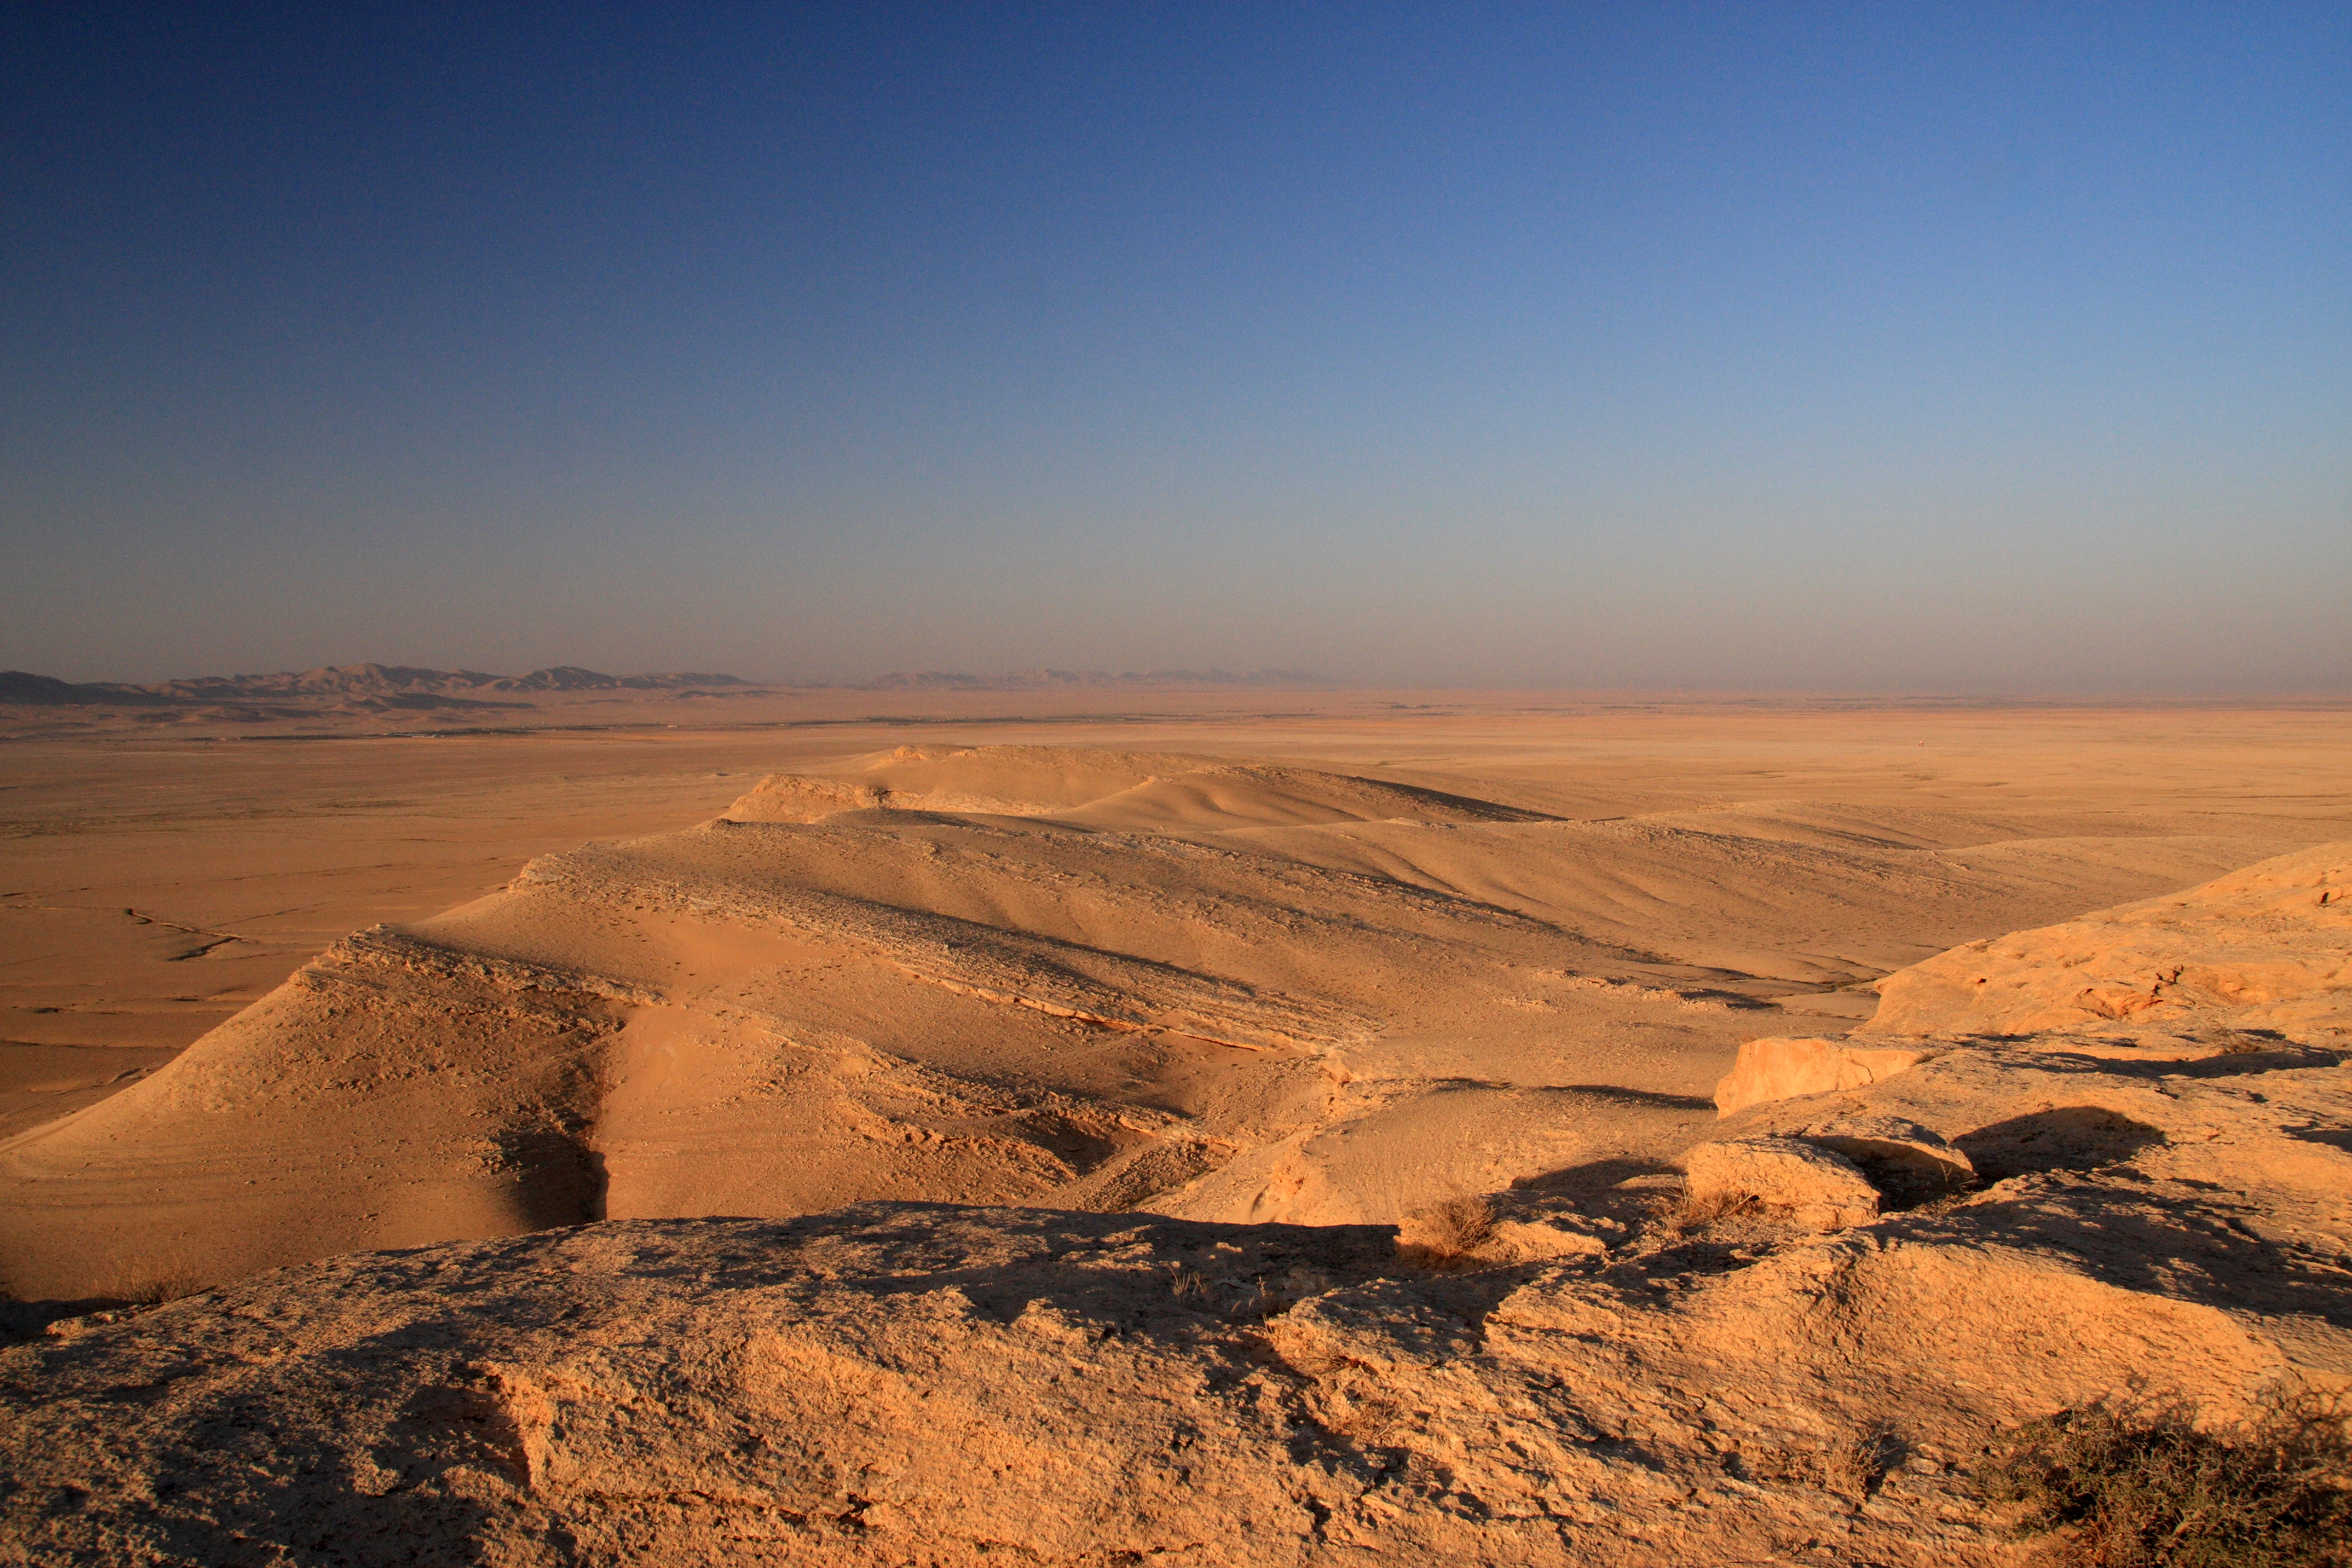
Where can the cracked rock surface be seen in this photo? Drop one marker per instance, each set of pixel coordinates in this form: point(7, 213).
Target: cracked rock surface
point(1588, 1367)
point(896, 1383)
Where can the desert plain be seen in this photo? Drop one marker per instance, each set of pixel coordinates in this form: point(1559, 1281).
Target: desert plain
point(1098, 1122)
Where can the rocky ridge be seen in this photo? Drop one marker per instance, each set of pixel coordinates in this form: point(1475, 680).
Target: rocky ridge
point(374, 688)
point(1604, 1367)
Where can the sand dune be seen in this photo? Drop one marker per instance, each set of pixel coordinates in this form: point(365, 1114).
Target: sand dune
point(1210, 987)
point(1145, 791)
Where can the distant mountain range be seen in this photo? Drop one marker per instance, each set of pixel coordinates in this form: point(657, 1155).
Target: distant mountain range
point(1054, 680)
point(381, 688)
point(374, 685)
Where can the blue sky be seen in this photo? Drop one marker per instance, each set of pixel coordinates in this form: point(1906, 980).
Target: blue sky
point(1882, 347)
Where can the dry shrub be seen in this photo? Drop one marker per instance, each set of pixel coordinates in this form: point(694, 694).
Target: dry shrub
point(2140, 1484)
point(154, 1281)
point(1858, 1462)
point(1447, 1235)
point(1852, 1465)
point(1262, 1301)
point(1252, 1300)
point(1694, 1214)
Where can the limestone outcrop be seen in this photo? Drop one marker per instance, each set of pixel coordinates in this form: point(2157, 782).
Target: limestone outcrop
point(1610, 1365)
point(1816, 1187)
point(2259, 959)
point(916, 1383)
point(1779, 1068)
point(1900, 1157)
point(2265, 949)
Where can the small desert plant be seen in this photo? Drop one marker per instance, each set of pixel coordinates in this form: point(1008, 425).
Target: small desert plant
point(2140, 1484)
point(1262, 1302)
point(1695, 1213)
point(1852, 1465)
point(153, 1281)
point(1858, 1462)
point(1243, 1300)
point(1447, 1235)
point(1189, 1286)
point(166, 1288)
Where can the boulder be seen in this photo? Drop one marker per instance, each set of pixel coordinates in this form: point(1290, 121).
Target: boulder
point(1901, 1157)
point(1525, 1241)
point(1813, 1186)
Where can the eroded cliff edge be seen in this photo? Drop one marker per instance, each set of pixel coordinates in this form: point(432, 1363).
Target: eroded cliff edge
point(1615, 1368)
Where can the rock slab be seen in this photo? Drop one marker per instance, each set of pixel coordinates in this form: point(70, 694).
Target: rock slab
point(1815, 1186)
point(1781, 1069)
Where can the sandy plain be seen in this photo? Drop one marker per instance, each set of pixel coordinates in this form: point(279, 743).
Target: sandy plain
point(1200, 1126)
point(1647, 883)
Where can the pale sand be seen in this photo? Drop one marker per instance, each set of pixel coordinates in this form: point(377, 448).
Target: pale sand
point(2150, 1195)
point(1279, 994)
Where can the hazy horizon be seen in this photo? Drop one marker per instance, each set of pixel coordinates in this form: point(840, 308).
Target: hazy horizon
point(1045, 680)
point(1723, 348)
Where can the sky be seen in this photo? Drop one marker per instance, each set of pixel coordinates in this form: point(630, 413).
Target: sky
point(1934, 348)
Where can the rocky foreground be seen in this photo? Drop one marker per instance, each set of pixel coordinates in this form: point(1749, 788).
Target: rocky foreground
point(1796, 1349)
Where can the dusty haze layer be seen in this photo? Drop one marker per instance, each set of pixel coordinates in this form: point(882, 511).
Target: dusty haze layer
point(1319, 964)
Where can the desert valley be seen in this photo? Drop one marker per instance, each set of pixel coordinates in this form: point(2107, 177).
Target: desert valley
point(1611, 826)
point(1200, 1120)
